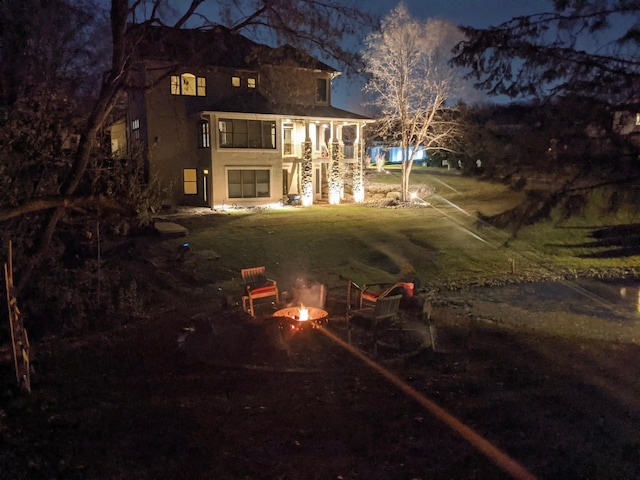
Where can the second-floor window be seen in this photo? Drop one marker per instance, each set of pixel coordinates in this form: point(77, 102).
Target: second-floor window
point(239, 133)
point(188, 84)
point(322, 90)
point(248, 82)
point(201, 83)
point(204, 137)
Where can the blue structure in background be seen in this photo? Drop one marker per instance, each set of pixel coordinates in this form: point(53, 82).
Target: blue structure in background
point(393, 155)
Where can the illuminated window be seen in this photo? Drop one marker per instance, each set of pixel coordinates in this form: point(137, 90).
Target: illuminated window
point(204, 137)
point(251, 82)
point(238, 133)
point(188, 84)
point(190, 181)
point(235, 81)
point(248, 183)
point(637, 118)
point(322, 90)
point(175, 84)
point(202, 86)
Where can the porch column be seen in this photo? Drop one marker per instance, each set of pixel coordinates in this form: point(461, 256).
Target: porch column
point(358, 168)
point(306, 171)
point(335, 177)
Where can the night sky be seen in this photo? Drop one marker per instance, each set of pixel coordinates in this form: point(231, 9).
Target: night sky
point(474, 13)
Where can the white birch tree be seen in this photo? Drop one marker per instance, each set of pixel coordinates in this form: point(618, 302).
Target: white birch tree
point(411, 80)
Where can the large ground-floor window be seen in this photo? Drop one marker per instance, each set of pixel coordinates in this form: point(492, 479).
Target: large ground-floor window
point(249, 183)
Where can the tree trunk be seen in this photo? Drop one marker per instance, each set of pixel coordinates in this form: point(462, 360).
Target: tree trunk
point(407, 160)
point(95, 122)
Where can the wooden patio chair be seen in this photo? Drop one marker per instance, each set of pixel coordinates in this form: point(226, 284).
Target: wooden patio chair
point(257, 285)
point(354, 294)
point(385, 309)
point(370, 293)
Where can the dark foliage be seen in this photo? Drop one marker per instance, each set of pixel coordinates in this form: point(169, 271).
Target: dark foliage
point(584, 47)
point(63, 70)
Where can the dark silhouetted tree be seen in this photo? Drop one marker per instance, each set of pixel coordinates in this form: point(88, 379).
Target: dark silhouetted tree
point(63, 68)
point(584, 47)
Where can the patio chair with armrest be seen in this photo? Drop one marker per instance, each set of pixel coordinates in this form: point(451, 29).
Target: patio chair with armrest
point(385, 309)
point(257, 285)
point(370, 293)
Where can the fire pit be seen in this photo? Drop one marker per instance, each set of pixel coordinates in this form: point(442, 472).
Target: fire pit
point(300, 318)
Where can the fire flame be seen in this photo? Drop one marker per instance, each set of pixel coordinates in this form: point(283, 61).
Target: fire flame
point(304, 313)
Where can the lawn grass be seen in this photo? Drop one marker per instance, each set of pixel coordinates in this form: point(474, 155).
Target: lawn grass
point(441, 244)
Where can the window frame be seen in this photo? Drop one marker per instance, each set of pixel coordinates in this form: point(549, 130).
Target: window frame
point(201, 86)
point(189, 183)
point(252, 183)
point(322, 93)
point(188, 84)
point(204, 134)
point(243, 133)
point(135, 129)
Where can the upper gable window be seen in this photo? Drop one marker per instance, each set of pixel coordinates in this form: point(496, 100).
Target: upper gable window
point(322, 90)
point(637, 118)
point(251, 82)
point(201, 86)
point(188, 84)
point(235, 81)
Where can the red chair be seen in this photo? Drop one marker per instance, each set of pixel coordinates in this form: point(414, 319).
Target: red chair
point(372, 292)
point(257, 285)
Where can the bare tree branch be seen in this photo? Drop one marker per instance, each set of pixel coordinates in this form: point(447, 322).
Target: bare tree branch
point(584, 47)
point(68, 202)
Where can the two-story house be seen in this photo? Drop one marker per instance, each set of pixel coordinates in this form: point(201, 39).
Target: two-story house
point(223, 120)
